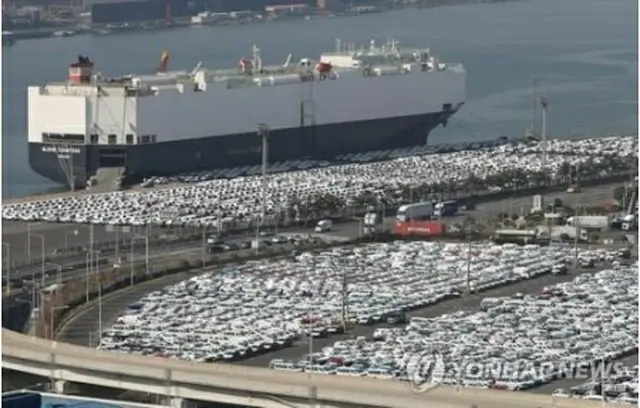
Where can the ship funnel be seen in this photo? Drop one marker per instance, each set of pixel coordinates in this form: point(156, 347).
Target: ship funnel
point(81, 70)
point(164, 62)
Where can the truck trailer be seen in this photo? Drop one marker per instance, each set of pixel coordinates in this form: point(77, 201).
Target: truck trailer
point(417, 211)
point(594, 222)
point(418, 229)
point(446, 209)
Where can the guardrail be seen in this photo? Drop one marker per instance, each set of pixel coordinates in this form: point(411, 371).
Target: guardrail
point(211, 381)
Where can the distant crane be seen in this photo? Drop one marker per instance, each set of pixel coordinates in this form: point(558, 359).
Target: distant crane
point(167, 12)
point(164, 62)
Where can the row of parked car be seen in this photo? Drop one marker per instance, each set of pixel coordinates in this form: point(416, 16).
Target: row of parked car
point(521, 341)
point(619, 386)
point(225, 203)
point(240, 310)
point(297, 165)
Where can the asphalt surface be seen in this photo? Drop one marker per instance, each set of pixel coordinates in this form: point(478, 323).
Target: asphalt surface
point(15, 233)
point(74, 267)
point(346, 230)
point(83, 328)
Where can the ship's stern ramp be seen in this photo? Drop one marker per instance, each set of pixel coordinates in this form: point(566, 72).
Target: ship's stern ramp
point(107, 178)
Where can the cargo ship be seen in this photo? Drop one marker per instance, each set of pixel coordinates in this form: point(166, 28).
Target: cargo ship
point(352, 100)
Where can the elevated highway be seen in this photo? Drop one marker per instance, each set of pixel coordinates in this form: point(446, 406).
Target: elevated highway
point(182, 381)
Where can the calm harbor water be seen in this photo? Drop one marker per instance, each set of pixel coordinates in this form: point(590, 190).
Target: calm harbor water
point(584, 52)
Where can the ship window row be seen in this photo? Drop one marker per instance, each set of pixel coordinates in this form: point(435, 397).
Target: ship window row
point(129, 139)
point(62, 138)
point(144, 139)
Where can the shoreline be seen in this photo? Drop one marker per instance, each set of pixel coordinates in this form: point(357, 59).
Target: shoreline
point(73, 30)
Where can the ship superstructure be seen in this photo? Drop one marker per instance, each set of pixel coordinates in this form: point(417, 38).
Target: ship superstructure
point(351, 100)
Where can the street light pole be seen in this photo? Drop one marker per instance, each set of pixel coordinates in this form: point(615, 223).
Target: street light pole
point(204, 244)
point(117, 229)
point(99, 310)
point(41, 237)
point(146, 249)
point(468, 278)
point(543, 104)
point(135, 237)
point(310, 326)
point(91, 254)
point(29, 243)
point(8, 265)
point(66, 240)
point(263, 132)
point(534, 97)
point(603, 342)
point(131, 245)
point(87, 268)
point(53, 310)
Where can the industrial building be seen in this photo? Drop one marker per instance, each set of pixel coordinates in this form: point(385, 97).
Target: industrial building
point(120, 11)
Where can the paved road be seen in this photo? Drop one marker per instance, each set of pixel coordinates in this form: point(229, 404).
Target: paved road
point(67, 265)
point(345, 230)
point(83, 328)
point(15, 233)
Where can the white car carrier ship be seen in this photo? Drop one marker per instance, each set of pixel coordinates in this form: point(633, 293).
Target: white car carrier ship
point(349, 101)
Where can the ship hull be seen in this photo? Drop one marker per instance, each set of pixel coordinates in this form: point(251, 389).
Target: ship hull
point(320, 142)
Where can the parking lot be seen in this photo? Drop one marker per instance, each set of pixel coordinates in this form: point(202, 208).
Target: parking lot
point(275, 325)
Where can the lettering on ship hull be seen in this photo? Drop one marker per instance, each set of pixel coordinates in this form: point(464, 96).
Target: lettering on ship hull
point(63, 152)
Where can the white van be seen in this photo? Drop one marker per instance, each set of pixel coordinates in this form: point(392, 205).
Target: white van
point(324, 226)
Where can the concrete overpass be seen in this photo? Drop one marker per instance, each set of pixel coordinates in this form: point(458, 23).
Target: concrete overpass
point(182, 381)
